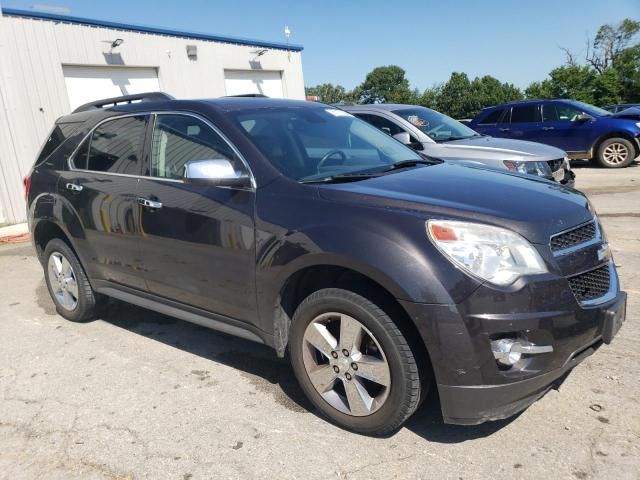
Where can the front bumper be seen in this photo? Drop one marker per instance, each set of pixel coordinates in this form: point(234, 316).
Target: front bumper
point(471, 386)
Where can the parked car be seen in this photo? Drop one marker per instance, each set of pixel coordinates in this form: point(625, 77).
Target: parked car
point(620, 107)
point(440, 136)
point(583, 131)
point(383, 274)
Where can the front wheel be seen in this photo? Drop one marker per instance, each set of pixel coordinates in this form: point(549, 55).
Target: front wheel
point(353, 362)
point(615, 153)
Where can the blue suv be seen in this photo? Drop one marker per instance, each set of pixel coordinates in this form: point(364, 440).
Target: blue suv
point(582, 130)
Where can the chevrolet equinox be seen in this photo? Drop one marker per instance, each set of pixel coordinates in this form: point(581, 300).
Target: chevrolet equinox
point(381, 273)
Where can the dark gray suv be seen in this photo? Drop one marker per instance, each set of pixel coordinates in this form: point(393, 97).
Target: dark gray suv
point(382, 273)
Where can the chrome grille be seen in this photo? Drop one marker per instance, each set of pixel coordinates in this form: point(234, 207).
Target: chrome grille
point(555, 164)
point(590, 285)
point(576, 236)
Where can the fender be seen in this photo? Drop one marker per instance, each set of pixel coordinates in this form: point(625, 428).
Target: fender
point(613, 134)
point(410, 271)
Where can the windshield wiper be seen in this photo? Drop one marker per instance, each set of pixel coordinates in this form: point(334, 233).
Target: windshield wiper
point(451, 139)
point(346, 177)
point(410, 163)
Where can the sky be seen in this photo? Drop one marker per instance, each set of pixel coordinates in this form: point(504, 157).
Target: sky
point(515, 41)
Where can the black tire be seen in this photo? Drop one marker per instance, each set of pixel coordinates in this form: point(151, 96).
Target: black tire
point(87, 300)
point(404, 393)
point(611, 152)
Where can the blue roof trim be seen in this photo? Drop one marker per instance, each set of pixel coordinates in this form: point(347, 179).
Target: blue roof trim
point(147, 29)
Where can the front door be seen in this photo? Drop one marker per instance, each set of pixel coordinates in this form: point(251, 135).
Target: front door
point(198, 241)
point(101, 189)
point(561, 128)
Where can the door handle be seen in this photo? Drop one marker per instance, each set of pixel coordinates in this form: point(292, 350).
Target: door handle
point(74, 187)
point(548, 128)
point(504, 129)
point(145, 202)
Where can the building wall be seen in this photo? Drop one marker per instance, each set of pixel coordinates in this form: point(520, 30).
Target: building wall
point(33, 92)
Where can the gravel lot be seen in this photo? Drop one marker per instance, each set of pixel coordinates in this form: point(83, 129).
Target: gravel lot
point(140, 395)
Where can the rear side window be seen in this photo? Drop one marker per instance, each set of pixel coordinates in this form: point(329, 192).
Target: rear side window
point(59, 134)
point(116, 146)
point(525, 114)
point(178, 139)
point(492, 118)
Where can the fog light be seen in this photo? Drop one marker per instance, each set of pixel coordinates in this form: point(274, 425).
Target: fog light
point(508, 351)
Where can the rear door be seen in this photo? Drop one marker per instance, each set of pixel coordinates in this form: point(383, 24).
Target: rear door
point(526, 122)
point(101, 189)
point(198, 241)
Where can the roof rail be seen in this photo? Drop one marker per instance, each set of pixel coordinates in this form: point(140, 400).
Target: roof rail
point(249, 95)
point(112, 102)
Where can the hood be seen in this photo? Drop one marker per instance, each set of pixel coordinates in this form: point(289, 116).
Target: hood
point(499, 149)
point(632, 113)
point(535, 208)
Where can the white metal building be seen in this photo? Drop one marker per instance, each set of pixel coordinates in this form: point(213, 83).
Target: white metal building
point(50, 64)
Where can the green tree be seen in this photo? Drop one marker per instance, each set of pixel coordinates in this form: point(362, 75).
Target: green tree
point(461, 98)
point(330, 93)
point(454, 99)
point(488, 91)
point(429, 97)
point(539, 90)
point(386, 85)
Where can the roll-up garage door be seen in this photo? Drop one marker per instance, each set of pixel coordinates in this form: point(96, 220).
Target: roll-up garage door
point(86, 84)
point(242, 82)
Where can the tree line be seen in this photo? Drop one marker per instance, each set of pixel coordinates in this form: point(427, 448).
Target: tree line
point(609, 73)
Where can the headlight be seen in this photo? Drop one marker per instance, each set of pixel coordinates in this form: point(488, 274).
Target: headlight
point(494, 254)
point(541, 169)
point(638, 124)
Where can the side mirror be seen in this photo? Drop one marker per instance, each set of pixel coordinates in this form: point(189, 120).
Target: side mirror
point(583, 117)
point(403, 137)
point(216, 172)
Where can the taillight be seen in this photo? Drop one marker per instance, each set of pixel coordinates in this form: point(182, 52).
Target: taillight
point(27, 186)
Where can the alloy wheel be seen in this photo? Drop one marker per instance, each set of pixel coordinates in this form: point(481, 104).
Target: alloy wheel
point(62, 280)
point(346, 364)
point(615, 153)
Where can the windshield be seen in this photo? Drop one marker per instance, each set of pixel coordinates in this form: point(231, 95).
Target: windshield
point(308, 143)
point(435, 125)
point(591, 109)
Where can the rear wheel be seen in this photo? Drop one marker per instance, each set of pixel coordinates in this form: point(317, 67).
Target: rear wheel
point(615, 153)
point(353, 362)
point(68, 284)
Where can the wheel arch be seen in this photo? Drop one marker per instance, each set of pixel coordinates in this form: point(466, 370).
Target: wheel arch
point(615, 134)
point(52, 217)
point(311, 278)
point(46, 230)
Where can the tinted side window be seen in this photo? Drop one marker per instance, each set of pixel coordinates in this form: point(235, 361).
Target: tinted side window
point(60, 133)
point(178, 139)
point(116, 146)
point(380, 123)
point(492, 118)
point(559, 112)
point(525, 113)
